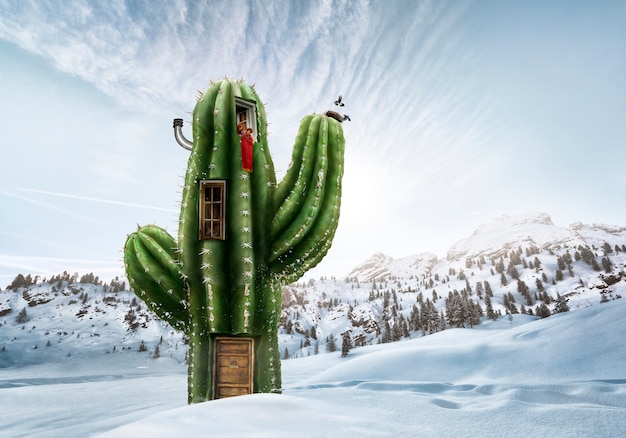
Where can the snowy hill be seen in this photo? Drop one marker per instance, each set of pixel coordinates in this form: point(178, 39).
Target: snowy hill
point(65, 321)
point(515, 377)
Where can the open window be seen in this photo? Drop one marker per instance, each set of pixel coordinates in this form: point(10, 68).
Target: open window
point(246, 115)
point(212, 209)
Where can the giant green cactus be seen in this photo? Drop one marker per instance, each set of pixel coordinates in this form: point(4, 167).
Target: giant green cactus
point(274, 234)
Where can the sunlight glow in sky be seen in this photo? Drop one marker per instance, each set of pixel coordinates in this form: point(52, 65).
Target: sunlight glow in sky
point(461, 111)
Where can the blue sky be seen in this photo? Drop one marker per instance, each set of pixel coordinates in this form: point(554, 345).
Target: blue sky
point(461, 112)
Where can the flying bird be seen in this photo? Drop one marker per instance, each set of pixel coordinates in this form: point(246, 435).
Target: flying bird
point(347, 117)
point(339, 102)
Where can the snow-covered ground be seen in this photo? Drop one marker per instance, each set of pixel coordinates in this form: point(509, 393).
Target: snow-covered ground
point(518, 376)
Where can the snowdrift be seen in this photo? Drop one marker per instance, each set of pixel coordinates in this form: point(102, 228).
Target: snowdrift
point(561, 376)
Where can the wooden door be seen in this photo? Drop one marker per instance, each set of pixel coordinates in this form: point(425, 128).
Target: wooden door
point(233, 365)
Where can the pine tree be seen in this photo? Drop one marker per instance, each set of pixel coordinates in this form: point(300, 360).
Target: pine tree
point(490, 313)
point(542, 311)
point(500, 266)
point(331, 346)
point(587, 255)
point(396, 330)
point(539, 285)
point(442, 321)
point(479, 290)
point(594, 265)
point(22, 317)
point(503, 279)
point(345, 344)
point(488, 290)
point(475, 312)
point(561, 304)
point(524, 290)
point(558, 275)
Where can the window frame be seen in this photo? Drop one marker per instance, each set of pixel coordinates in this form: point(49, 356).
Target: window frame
point(206, 209)
point(247, 107)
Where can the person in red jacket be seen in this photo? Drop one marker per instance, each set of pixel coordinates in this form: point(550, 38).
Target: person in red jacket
point(246, 149)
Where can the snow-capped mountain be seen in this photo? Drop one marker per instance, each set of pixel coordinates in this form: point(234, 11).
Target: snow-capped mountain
point(380, 266)
point(535, 229)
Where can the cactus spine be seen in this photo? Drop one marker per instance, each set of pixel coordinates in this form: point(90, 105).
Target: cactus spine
point(274, 234)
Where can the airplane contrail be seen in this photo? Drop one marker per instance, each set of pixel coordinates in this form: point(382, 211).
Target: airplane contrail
point(88, 198)
point(44, 204)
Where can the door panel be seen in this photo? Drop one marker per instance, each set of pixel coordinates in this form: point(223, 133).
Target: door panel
point(233, 367)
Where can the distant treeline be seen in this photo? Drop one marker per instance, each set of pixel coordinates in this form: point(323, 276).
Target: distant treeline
point(115, 285)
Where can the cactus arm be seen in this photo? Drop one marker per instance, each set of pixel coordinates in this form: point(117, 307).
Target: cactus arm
point(317, 239)
point(148, 267)
point(306, 256)
point(165, 252)
point(290, 180)
point(313, 192)
point(290, 191)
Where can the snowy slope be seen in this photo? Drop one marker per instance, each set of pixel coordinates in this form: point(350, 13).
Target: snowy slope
point(517, 377)
point(68, 321)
